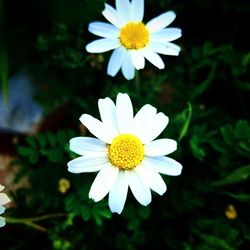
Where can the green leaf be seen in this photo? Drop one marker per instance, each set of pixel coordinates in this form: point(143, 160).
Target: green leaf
point(85, 213)
point(240, 197)
point(186, 116)
point(215, 241)
point(196, 149)
point(41, 140)
point(201, 88)
point(240, 174)
point(3, 56)
point(24, 151)
point(31, 141)
point(228, 134)
point(242, 130)
point(52, 139)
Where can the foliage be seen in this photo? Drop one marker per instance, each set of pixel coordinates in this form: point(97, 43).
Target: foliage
point(205, 93)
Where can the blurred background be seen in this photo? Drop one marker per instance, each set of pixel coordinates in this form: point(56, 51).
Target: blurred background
point(48, 80)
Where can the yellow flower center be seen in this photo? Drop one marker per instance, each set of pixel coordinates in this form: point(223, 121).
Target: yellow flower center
point(126, 152)
point(231, 212)
point(134, 35)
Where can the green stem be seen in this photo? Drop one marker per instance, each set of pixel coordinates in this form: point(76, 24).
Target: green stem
point(30, 221)
point(137, 83)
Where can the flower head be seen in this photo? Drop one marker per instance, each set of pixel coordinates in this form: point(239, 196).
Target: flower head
point(63, 185)
point(4, 199)
point(131, 39)
point(231, 212)
point(124, 154)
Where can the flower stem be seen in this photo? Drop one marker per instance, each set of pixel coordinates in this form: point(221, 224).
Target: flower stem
point(137, 83)
point(30, 221)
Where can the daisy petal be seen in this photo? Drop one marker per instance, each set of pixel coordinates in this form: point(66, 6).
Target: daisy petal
point(142, 122)
point(161, 21)
point(103, 182)
point(2, 222)
point(138, 59)
point(152, 179)
point(123, 9)
point(103, 45)
point(165, 35)
point(112, 16)
point(104, 29)
point(4, 199)
point(116, 61)
point(128, 68)
point(108, 115)
point(157, 125)
point(96, 128)
point(164, 165)
point(2, 209)
point(160, 147)
point(137, 10)
point(85, 145)
point(124, 113)
point(154, 58)
point(140, 191)
point(118, 193)
point(165, 49)
point(87, 164)
point(1, 188)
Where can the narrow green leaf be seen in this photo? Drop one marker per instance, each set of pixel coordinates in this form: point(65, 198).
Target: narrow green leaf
point(3, 56)
point(240, 174)
point(187, 115)
point(240, 197)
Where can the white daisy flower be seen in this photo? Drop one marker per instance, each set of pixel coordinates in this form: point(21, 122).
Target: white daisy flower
point(124, 152)
point(4, 199)
point(131, 39)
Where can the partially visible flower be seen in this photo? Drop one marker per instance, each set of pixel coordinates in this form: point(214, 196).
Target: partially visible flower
point(231, 212)
point(131, 39)
point(4, 199)
point(63, 185)
point(124, 153)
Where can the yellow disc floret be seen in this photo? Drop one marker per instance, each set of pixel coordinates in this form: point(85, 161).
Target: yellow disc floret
point(134, 35)
point(126, 152)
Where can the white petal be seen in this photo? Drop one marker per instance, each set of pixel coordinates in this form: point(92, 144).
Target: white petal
point(104, 29)
point(112, 16)
point(164, 165)
point(108, 115)
point(87, 164)
point(137, 10)
point(2, 209)
point(2, 222)
point(140, 191)
point(165, 49)
point(85, 145)
point(118, 193)
point(160, 147)
point(157, 125)
point(124, 113)
point(96, 128)
point(123, 9)
point(154, 58)
point(103, 45)
point(142, 121)
point(152, 179)
point(161, 21)
point(116, 61)
point(128, 68)
point(138, 59)
point(103, 182)
point(4, 199)
point(1, 188)
point(165, 35)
